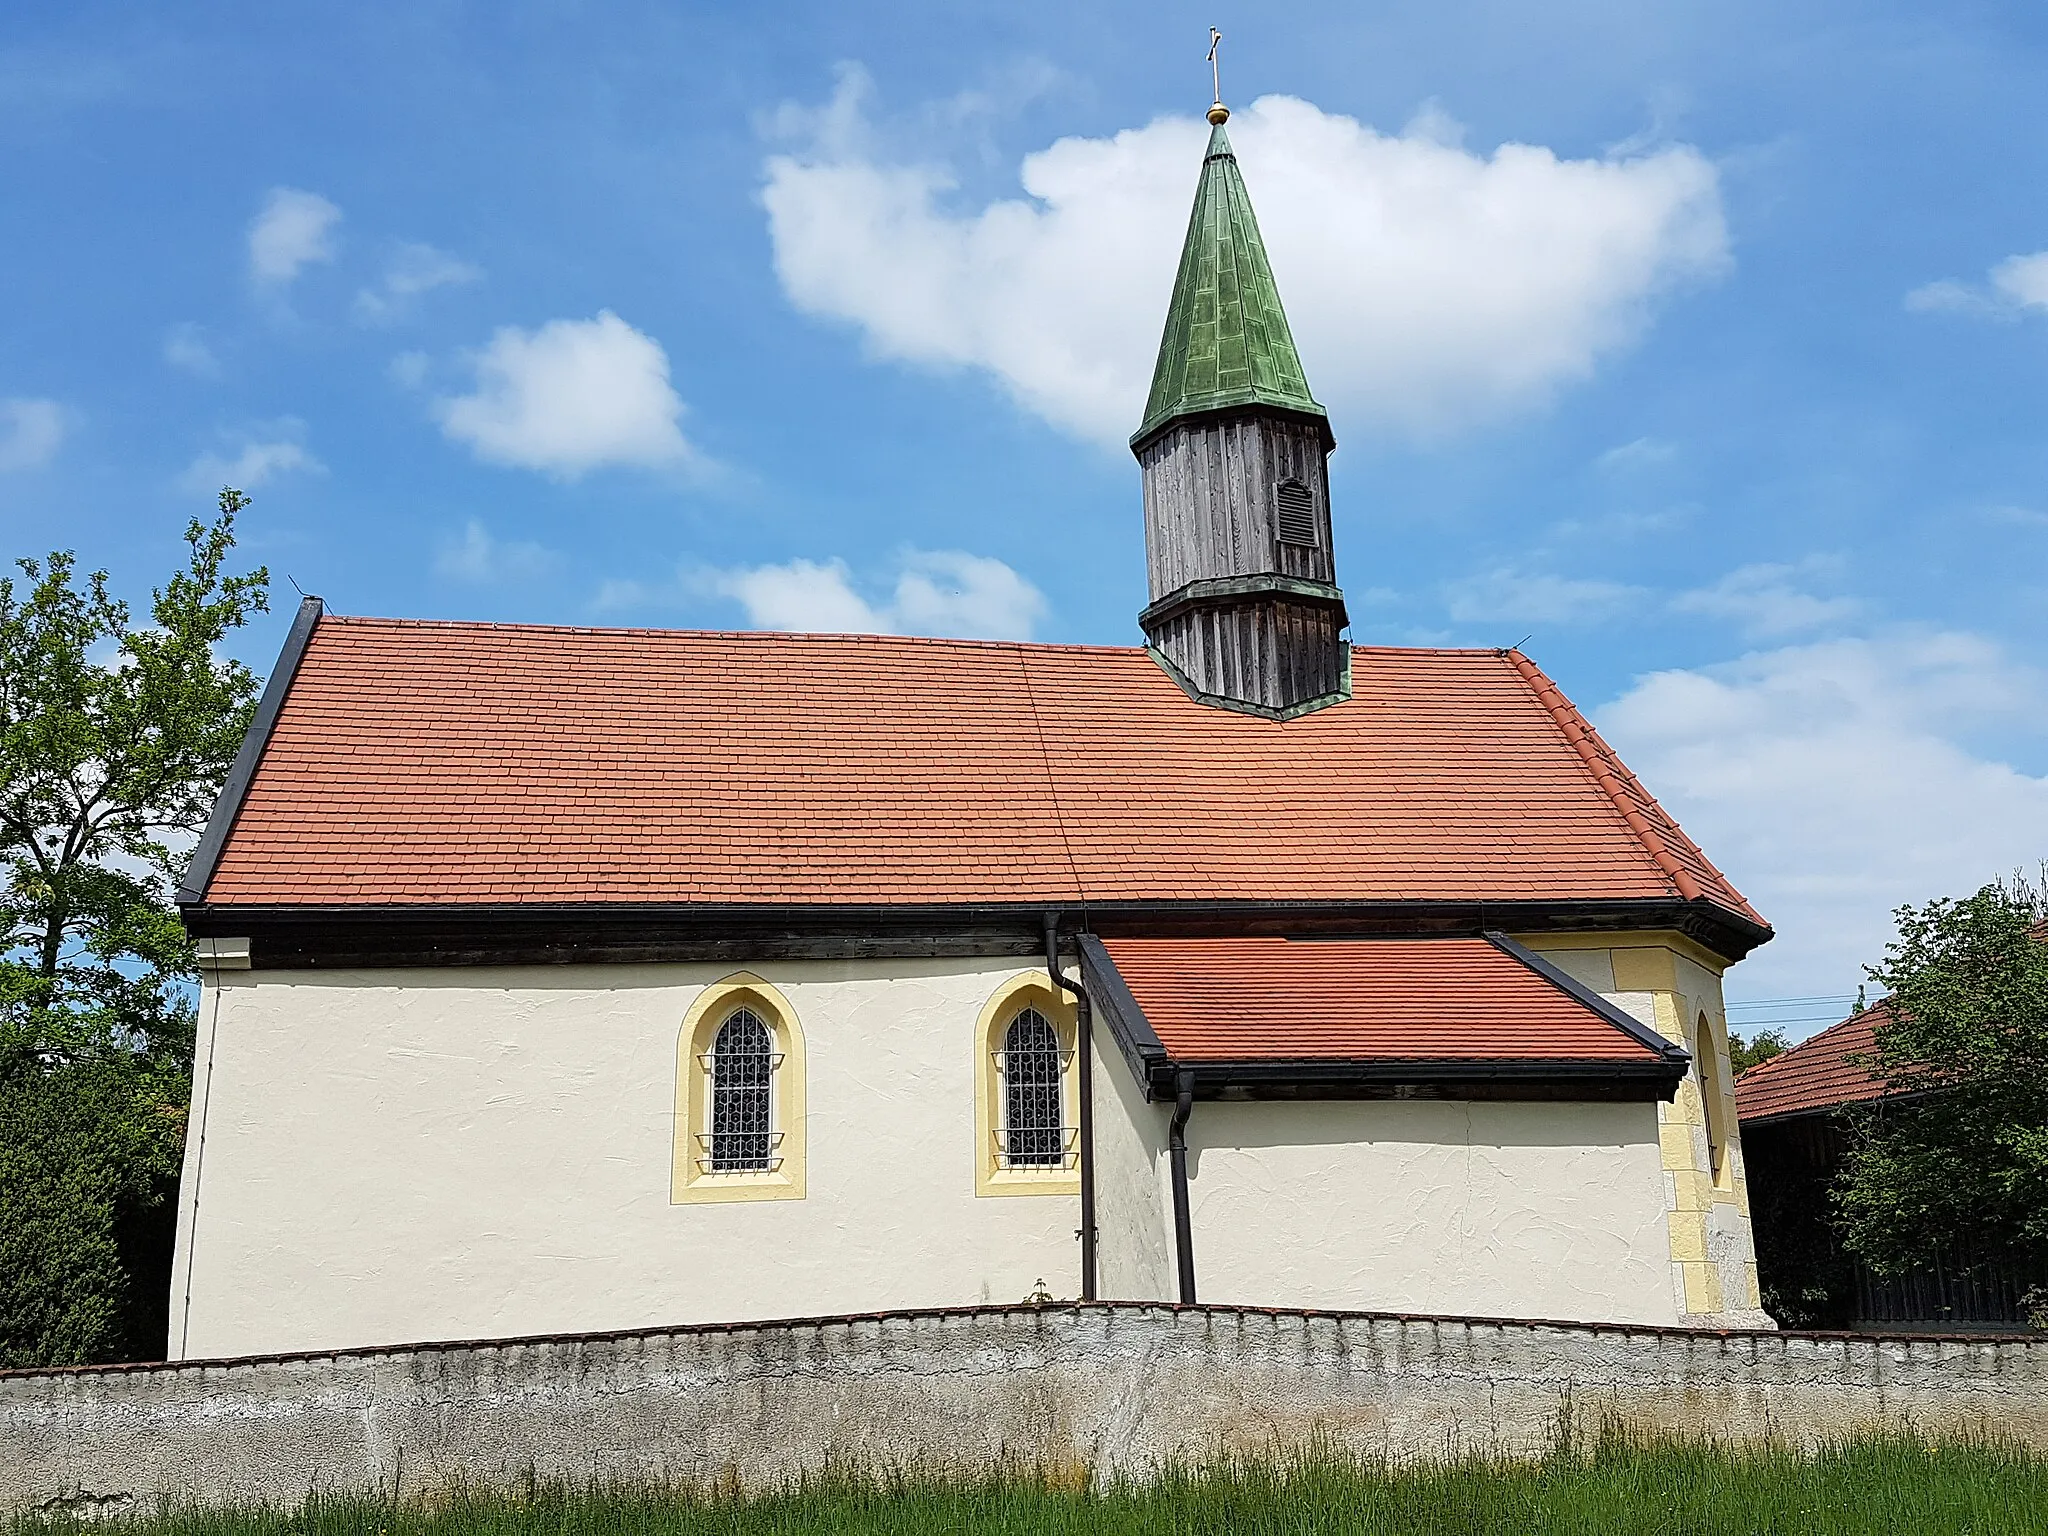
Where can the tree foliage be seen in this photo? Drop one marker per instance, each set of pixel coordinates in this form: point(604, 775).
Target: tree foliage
point(1954, 1159)
point(1757, 1049)
point(114, 740)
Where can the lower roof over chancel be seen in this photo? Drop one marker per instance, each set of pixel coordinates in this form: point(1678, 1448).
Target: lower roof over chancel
point(1476, 1017)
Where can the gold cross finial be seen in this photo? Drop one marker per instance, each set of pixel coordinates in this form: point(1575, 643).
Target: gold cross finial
point(1219, 114)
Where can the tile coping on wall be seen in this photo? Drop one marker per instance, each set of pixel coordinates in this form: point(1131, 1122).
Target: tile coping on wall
point(428, 1346)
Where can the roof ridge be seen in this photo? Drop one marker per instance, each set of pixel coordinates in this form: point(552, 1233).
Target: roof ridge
point(520, 626)
point(528, 626)
point(1621, 786)
point(1430, 650)
point(1607, 1009)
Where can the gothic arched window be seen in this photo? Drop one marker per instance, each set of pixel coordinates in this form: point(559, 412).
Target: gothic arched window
point(739, 1122)
point(1713, 1107)
point(1033, 1068)
point(743, 1062)
point(1027, 1091)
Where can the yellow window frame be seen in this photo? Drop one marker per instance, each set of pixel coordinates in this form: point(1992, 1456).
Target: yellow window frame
point(991, 1177)
point(690, 1183)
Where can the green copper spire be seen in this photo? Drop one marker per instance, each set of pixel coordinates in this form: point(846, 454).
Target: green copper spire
point(1226, 340)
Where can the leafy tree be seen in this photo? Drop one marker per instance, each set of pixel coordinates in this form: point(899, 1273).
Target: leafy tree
point(1759, 1047)
point(114, 741)
point(1955, 1158)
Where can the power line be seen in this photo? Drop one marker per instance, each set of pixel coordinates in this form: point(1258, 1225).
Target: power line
point(1820, 1022)
point(1795, 1014)
point(1781, 1002)
point(1787, 1018)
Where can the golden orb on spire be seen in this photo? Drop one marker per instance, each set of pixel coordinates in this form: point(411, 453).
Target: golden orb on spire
point(1219, 114)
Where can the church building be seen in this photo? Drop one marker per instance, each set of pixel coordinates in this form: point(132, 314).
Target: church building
point(567, 979)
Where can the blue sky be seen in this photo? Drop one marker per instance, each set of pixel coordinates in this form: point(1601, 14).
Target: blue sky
point(1722, 381)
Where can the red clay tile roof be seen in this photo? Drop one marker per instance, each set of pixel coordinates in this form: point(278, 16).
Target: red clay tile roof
point(1815, 1074)
point(1676, 854)
point(1270, 999)
point(1818, 1073)
point(440, 763)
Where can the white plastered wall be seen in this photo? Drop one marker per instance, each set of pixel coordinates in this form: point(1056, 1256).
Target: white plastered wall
point(1538, 1210)
point(1134, 1245)
point(396, 1155)
point(1669, 983)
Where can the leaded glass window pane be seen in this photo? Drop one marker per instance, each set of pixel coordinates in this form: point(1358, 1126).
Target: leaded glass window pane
point(1032, 1136)
point(742, 1087)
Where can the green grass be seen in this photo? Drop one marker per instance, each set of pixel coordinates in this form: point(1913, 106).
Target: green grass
point(1894, 1486)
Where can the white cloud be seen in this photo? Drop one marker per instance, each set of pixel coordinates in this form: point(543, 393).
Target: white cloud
point(929, 592)
point(1959, 298)
point(2023, 280)
point(572, 396)
point(937, 592)
point(1427, 285)
point(277, 449)
point(475, 556)
point(413, 269)
point(185, 347)
point(409, 370)
point(802, 595)
point(31, 432)
point(945, 592)
point(619, 594)
point(1642, 454)
point(1765, 602)
point(1523, 597)
point(2013, 287)
point(1624, 523)
point(1829, 782)
point(294, 229)
point(2022, 517)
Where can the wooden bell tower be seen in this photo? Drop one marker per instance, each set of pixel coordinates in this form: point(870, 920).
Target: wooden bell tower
point(1245, 611)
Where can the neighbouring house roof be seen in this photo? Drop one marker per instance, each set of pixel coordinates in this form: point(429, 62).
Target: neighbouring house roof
point(1226, 341)
point(1820, 1073)
point(405, 764)
point(1310, 1010)
point(1814, 1075)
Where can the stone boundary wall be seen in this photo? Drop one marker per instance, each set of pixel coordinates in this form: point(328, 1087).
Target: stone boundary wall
point(1104, 1389)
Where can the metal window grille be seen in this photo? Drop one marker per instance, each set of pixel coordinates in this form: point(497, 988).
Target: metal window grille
point(1032, 1135)
point(743, 1137)
point(1297, 513)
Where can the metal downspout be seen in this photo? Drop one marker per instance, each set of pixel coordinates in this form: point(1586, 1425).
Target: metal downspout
point(1084, 1046)
point(1177, 1147)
